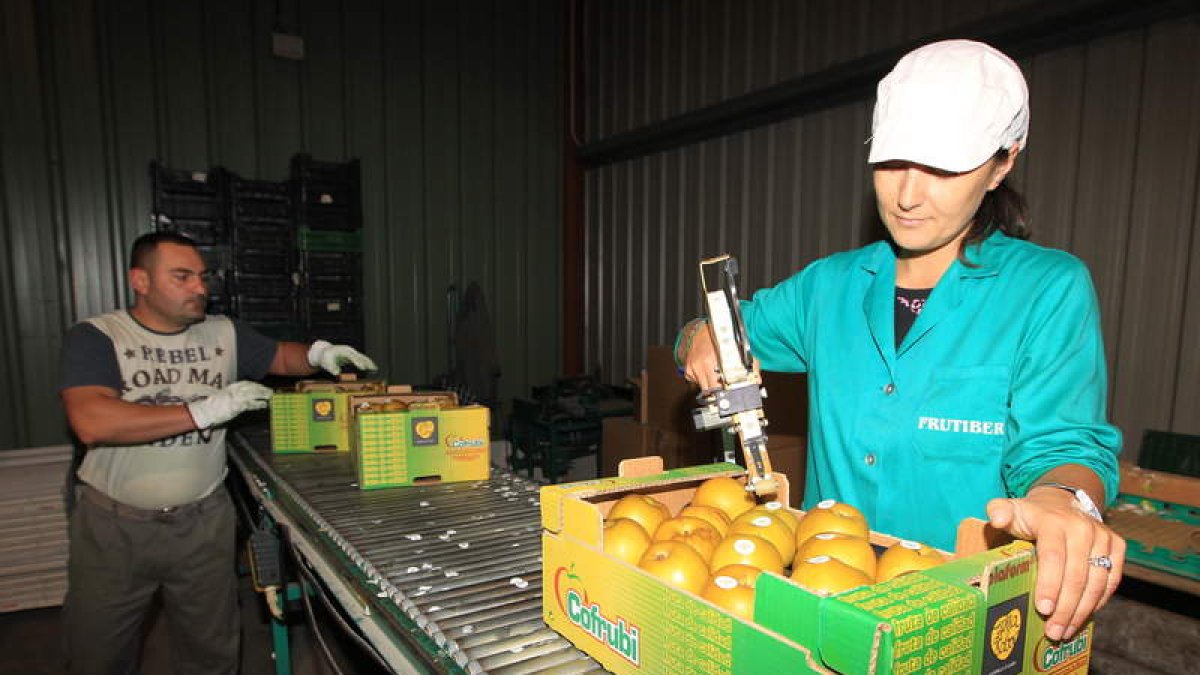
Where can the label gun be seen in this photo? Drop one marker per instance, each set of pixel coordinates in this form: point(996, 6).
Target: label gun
point(737, 403)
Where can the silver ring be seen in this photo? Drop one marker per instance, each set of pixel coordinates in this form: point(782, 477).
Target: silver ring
point(1101, 561)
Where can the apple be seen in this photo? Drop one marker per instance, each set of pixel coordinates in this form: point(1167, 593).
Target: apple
point(726, 494)
point(826, 576)
point(781, 512)
point(831, 516)
point(906, 556)
point(730, 594)
point(747, 549)
point(768, 526)
point(692, 531)
point(711, 515)
point(646, 510)
point(625, 539)
point(854, 551)
point(677, 564)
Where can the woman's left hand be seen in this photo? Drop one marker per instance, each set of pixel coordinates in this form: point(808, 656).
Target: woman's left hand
point(1080, 560)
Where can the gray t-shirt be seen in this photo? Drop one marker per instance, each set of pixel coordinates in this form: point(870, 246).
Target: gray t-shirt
point(151, 368)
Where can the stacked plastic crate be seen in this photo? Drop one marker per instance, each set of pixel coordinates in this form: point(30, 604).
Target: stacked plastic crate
point(262, 280)
point(193, 203)
point(327, 207)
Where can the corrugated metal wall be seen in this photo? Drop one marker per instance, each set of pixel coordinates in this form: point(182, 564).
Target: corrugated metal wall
point(454, 108)
point(1111, 174)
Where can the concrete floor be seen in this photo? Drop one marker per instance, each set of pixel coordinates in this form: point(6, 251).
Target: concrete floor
point(31, 644)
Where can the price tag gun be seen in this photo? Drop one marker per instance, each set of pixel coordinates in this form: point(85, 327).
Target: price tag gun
point(737, 405)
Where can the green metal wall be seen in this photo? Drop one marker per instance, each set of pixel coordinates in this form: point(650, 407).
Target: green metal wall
point(454, 108)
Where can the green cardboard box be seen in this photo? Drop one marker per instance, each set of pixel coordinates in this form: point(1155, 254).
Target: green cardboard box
point(315, 416)
point(419, 438)
point(973, 614)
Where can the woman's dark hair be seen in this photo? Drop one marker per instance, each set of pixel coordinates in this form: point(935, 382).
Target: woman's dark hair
point(1002, 209)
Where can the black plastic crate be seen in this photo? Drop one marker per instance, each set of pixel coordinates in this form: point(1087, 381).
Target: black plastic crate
point(328, 240)
point(216, 258)
point(347, 263)
point(305, 168)
point(263, 261)
point(243, 190)
point(185, 194)
point(330, 309)
point(187, 207)
point(203, 232)
point(165, 180)
point(218, 304)
point(314, 195)
point(272, 285)
point(270, 210)
point(264, 234)
point(264, 309)
point(332, 285)
point(328, 218)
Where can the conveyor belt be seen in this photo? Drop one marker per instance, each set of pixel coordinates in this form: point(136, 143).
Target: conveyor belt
point(454, 568)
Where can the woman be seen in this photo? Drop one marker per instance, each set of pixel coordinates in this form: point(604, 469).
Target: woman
point(955, 370)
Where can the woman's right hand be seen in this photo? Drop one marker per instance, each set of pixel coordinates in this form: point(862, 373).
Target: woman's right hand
point(700, 364)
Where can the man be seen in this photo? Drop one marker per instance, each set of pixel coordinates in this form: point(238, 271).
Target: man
point(147, 391)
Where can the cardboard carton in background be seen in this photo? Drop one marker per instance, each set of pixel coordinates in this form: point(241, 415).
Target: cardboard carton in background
point(663, 424)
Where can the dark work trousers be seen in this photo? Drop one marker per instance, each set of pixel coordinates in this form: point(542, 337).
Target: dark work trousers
point(121, 555)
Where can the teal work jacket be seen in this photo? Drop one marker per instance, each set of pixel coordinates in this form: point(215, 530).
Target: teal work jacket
point(1001, 379)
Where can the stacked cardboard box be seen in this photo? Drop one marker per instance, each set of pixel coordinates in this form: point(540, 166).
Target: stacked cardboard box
point(315, 416)
point(397, 436)
point(662, 423)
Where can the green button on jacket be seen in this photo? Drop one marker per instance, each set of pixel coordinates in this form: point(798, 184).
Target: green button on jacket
point(1001, 378)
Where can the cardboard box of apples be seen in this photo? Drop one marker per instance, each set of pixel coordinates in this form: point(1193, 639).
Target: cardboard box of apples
point(683, 572)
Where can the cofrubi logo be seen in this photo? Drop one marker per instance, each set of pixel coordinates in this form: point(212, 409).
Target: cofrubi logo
point(454, 441)
point(620, 637)
point(1050, 656)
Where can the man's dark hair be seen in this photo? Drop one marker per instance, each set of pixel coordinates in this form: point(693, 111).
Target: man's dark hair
point(145, 245)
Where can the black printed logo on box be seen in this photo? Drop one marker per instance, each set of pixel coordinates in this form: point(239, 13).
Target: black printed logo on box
point(424, 431)
point(1005, 636)
point(323, 410)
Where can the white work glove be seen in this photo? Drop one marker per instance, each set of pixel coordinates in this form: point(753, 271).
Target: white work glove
point(331, 358)
point(228, 403)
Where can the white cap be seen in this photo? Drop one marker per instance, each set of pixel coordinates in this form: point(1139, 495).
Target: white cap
point(950, 105)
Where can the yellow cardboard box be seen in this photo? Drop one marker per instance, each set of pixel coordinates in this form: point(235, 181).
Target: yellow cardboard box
point(314, 416)
point(971, 615)
point(419, 438)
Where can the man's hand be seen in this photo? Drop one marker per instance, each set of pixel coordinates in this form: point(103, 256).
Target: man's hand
point(1072, 547)
point(228, 403)
point(331, 358)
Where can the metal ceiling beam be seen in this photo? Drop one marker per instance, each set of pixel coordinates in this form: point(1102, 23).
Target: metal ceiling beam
point(1023, 32)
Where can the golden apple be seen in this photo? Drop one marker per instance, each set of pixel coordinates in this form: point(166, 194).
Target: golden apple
point(625, 539)
point(906, 556)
